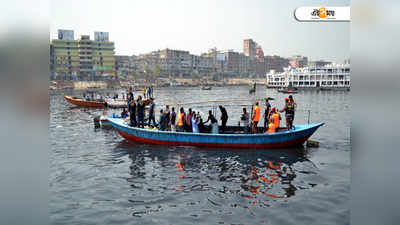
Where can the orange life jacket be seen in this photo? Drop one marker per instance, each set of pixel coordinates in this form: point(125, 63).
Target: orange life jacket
point(256, 113)
point(271, 128)
point(275, 119)
point(180, 119)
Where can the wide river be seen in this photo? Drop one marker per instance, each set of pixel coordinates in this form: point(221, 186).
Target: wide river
point(99, 178)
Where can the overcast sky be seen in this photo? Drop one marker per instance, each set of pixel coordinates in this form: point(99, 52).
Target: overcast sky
point(141, 26)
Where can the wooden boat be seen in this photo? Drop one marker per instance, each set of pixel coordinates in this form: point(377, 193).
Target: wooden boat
point(206, 88)
point(287, 91)
point(281, 139)
point(83, 103)
point(99, 104)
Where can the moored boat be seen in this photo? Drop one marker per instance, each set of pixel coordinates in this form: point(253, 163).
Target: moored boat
point(287, 91)
point(281, 139)
point(84, 103)
point(99, 104)
point(207, 88)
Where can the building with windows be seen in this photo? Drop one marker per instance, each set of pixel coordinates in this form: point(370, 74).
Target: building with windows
point(249, 48)
point(275, 63)
point(70, 58)
point(298, 61)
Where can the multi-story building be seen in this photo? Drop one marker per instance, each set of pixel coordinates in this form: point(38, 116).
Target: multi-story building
point(74, 58)
point(64, 55)
point(298, 61)
point(249, 48)
point(176, 63)
point(125, 64)
point(231, 63)
point(202, 64)
point(218, 59)
point(329, 76)
point(275, 63)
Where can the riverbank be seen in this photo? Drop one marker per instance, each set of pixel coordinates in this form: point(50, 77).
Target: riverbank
point(138, 84)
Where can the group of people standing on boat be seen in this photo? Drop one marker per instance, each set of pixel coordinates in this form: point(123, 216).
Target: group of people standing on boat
point(271, 117)
point(191, 121)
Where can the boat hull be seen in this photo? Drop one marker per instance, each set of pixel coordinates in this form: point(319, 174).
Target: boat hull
point(282, 139)
point(96, 104)
point(83, 103)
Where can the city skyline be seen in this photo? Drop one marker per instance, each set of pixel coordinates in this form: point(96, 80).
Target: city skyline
point(138, 28)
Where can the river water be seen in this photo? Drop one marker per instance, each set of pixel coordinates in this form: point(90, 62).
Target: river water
point(99, 178)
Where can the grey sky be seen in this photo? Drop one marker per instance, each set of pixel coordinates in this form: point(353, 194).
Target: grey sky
point(138, 26)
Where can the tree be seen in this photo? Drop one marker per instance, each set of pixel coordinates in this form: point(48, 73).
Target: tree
point(148, 74)
point(157, 71)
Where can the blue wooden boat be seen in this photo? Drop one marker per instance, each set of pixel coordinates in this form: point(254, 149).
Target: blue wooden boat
point(281, 139)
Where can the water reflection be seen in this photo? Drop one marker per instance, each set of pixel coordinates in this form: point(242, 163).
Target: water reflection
point(256, 177)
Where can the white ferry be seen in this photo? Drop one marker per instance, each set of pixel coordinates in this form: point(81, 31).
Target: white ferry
point(327, 77)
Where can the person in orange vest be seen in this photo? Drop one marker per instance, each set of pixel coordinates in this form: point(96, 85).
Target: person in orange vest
point(181, 116)
point(271, 127)
point(275, 118)
point(256, 118)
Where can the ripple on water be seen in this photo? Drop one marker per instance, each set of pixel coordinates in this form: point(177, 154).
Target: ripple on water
point(98, 178)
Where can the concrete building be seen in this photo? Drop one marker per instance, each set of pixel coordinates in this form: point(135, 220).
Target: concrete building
point(298, 61)
point(176, 63)
point(249, 48)
point(275, 63)
point(231, 63)
point(125, 64)
point(70, 58)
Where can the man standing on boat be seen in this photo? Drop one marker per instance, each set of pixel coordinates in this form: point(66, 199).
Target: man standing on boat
point(256, 118)
point(152, 112)
point(214, 122)
point(266, 113)
point(245, 120)
point(195, 121)
point(132, 112)
point(181, 119)
point(291, 100)
point(140, 109)
point(289, 113)
point(224, 118)
point(188, 121)
point(173, 119)
point(163, 121)
point(275, 119)
point(168, 117)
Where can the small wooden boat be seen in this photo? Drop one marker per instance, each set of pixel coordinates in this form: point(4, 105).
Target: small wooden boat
point(207, 88)
point(281, 139)
point(287, 91)
point(99, 104)
point(83, 103)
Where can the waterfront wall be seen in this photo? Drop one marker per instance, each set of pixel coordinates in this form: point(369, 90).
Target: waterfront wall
point(89, 84)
